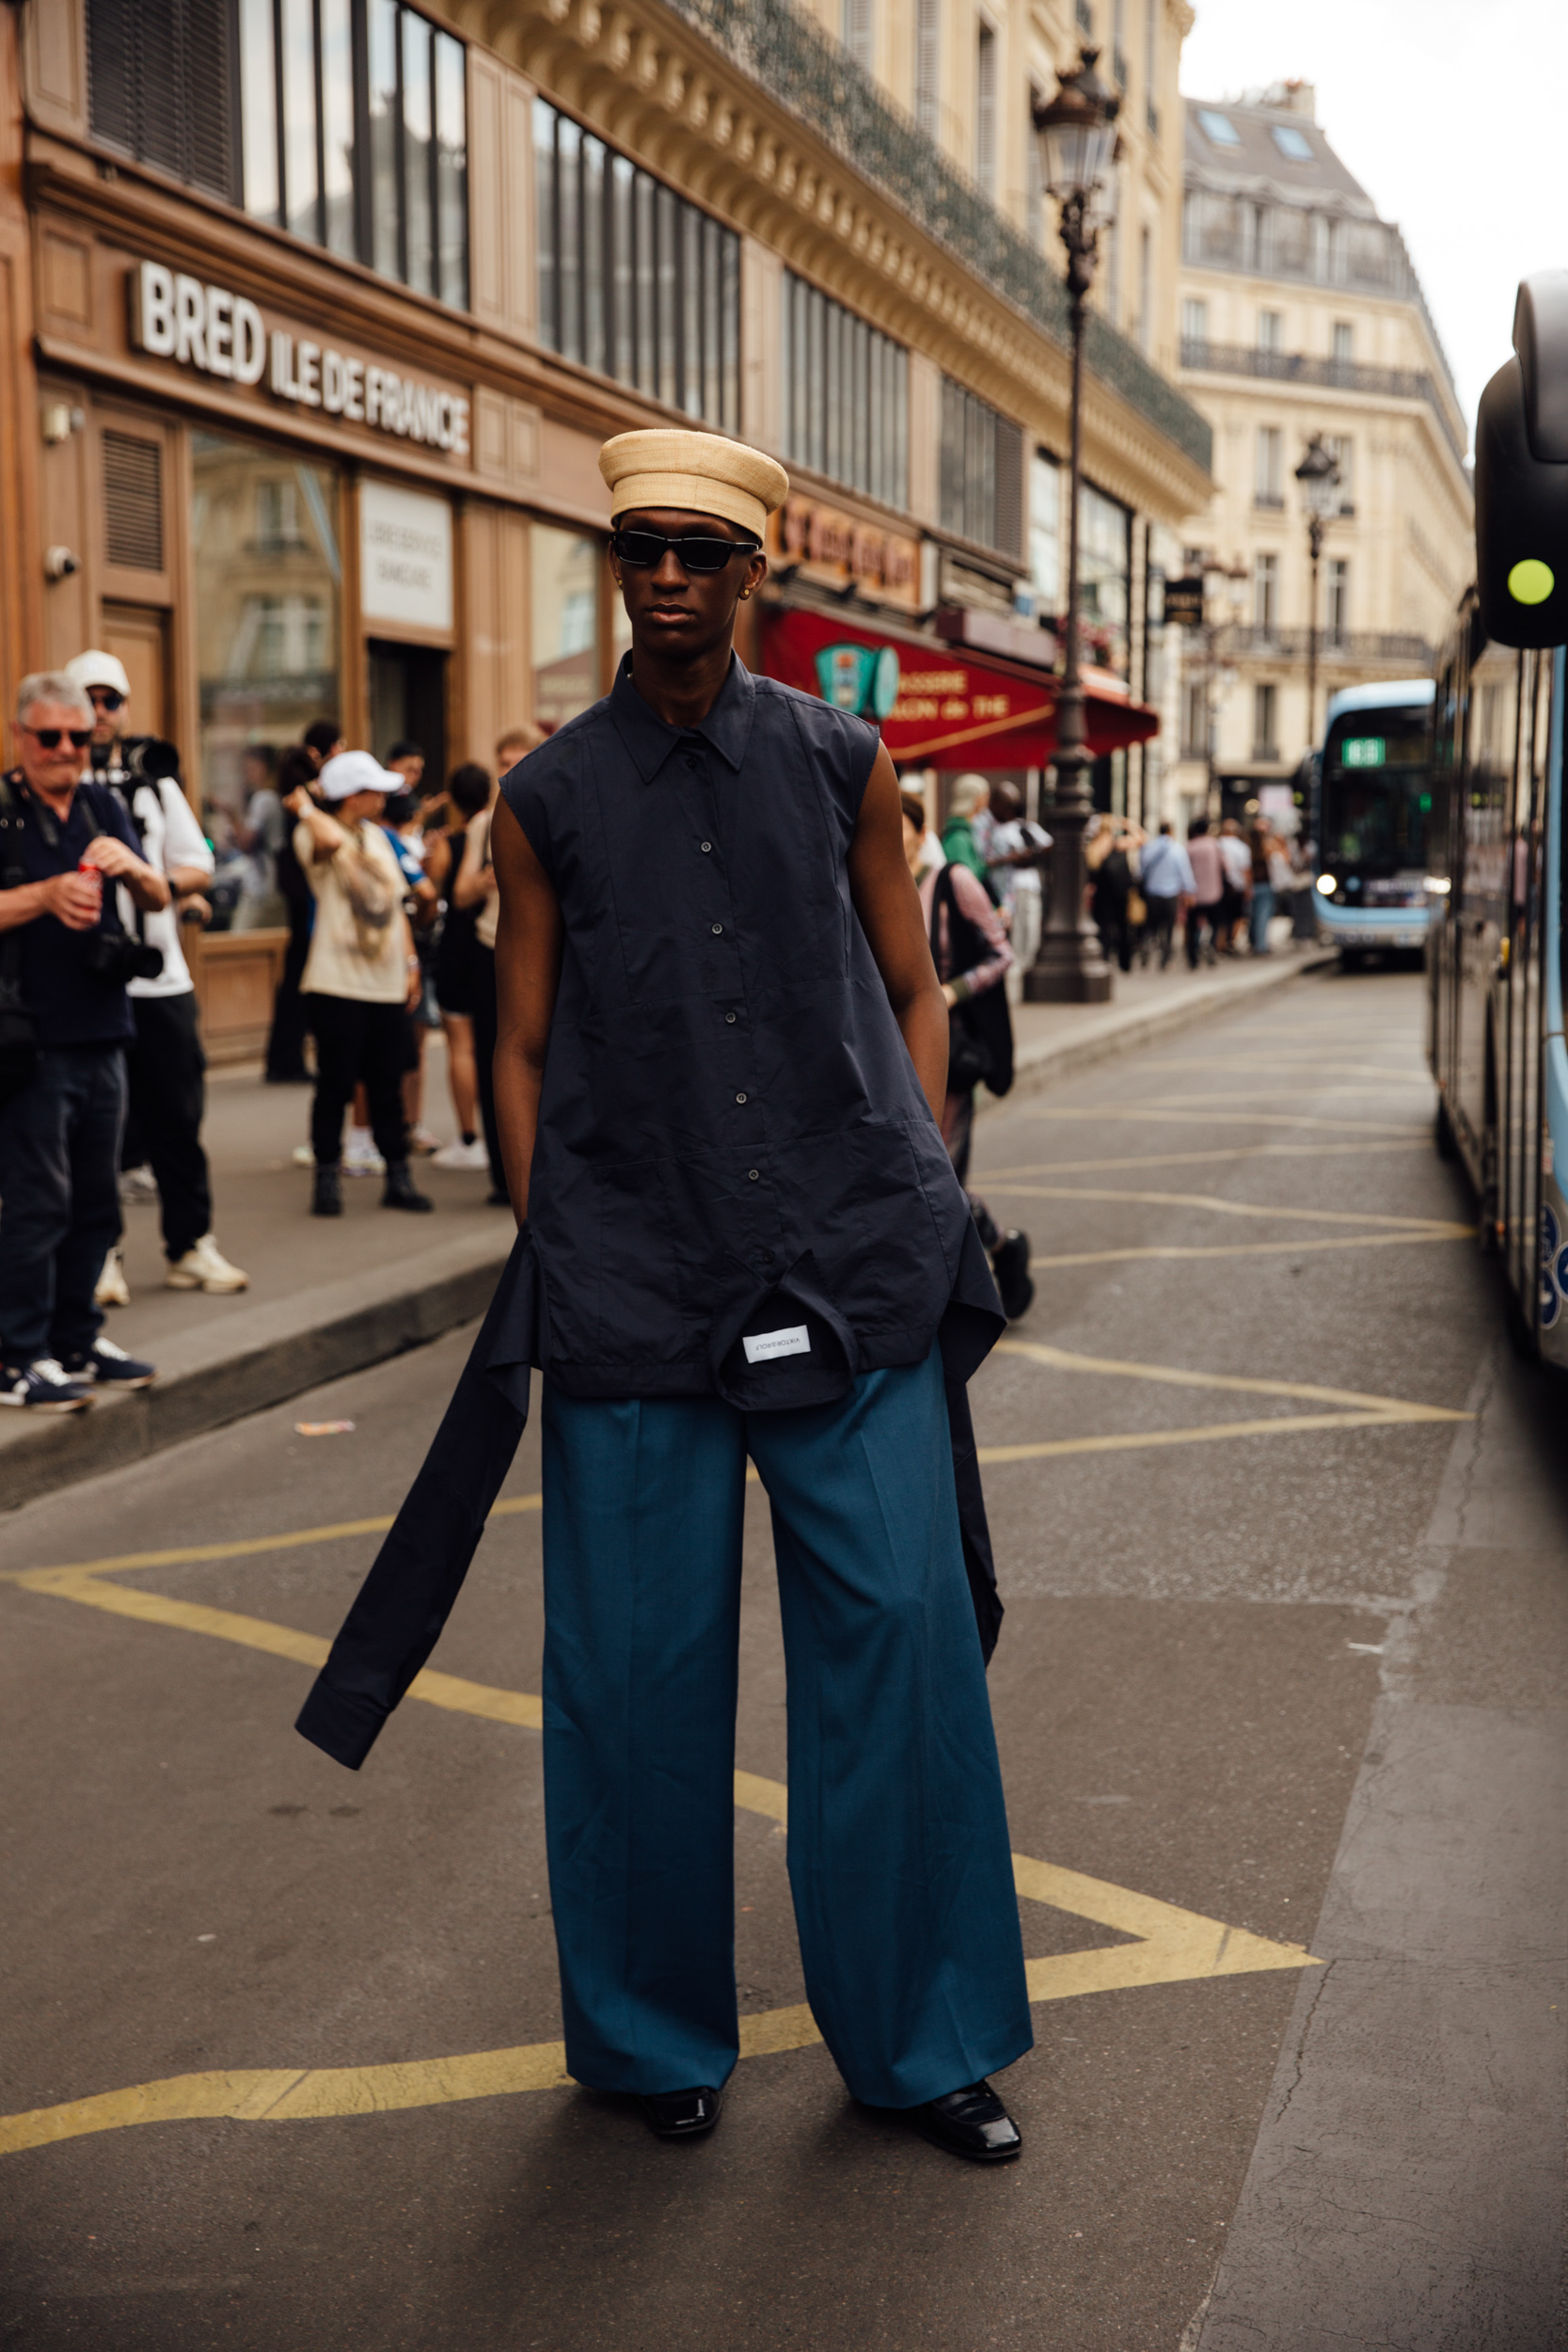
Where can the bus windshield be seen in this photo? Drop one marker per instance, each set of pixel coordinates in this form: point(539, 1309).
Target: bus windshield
point(1377, 794)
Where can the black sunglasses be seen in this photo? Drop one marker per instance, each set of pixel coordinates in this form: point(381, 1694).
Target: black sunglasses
point(110, 696)
point(642, 550)
point(79, 737)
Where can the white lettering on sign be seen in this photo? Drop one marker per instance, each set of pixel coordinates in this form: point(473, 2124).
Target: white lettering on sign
point(177, 317)
point(761, 1346)
point(404, 556)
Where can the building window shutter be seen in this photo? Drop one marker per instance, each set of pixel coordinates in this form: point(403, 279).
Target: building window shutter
point(161, 87)
point(927, 60)
point(860, 28)
point(1009, 487)
point(133, 501)
point(984, 110)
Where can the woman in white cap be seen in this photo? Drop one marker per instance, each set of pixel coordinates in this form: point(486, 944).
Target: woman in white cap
point(721, 1066)
point(361, 975)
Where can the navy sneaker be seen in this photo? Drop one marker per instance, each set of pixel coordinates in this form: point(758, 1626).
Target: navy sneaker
point(108, 1367)
point(42, 1388)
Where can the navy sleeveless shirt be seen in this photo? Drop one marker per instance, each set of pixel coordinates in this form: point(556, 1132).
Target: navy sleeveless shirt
point(738, 1184)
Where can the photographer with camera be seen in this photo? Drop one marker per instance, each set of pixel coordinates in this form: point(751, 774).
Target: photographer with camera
point(65, 1025)
point(165, 1068)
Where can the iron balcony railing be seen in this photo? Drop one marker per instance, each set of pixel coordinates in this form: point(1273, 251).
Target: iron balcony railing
point(1339, 375)
point(820, 81)
point(1292, 644)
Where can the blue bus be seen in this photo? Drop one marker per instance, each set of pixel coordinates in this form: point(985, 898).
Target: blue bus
point(1494, 956)
point(1375, 821)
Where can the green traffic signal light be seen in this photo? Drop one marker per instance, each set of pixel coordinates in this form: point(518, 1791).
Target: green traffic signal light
point(1530, 581)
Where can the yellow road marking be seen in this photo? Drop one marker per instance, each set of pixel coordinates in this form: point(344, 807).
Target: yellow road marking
point(1177, 1376)
point(1280, 1425)
point(997, 1177)
point(244, 1546)
point(1222, 1207)
point(1250, 1248)
point(1201, 1116)
point(1173, 1947)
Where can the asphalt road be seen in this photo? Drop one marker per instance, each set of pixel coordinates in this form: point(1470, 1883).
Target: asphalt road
point(1280, 1525)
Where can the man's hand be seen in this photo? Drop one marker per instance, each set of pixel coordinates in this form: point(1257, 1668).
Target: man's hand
point(195, 909)
point(888, 905)
point(148, 890)
point(74, 899)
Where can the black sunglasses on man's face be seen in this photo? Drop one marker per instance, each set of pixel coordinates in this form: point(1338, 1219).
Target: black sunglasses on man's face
point(108, 697)
point(78, 738)
point(644, 550)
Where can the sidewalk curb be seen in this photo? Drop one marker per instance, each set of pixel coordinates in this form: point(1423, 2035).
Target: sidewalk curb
point(281, 1348)
point(1036, 1070)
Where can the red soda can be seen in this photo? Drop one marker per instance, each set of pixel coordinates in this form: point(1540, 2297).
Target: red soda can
point(95, 874)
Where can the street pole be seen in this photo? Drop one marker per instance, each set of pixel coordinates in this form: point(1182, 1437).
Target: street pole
point(1315, 541)
point(1319, 476)
point(1078, 139)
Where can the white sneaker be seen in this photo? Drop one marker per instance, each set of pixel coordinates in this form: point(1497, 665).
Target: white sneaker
point(303, 1157)
point(422, 1140)
point(111, 1287)
point(204, 1267)
point(138, 1184)
point(44, 1388)
point(362, 1158)
point(461, 1155)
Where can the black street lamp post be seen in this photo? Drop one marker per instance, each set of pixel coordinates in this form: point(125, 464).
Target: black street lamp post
point(1319, 476)
point(1077, 136)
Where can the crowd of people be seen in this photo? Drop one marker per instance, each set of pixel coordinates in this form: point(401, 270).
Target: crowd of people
point(384, 883)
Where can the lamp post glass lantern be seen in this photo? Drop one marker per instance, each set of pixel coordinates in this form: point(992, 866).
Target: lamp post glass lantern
point(1319, 476)
point(1077, 138)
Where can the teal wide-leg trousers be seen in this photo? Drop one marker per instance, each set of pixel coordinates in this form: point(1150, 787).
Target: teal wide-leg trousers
point(899, 1862)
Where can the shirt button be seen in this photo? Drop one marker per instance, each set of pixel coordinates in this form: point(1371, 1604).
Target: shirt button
point(706, 847)
point(741, 1098)
point(767, 1257)
point(729, 1016)
point(717, 930)
point(754, 1174)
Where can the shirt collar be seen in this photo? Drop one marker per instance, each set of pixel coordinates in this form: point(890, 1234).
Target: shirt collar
point(649, 740)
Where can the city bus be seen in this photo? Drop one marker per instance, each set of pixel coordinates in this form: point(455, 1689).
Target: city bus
point(1375, 819)
point(1494, 953)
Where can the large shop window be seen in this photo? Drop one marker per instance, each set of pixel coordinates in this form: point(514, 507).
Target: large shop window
point(634, 282)
point(161, 87)
point(982, 471)
point(356, 135)
point(1104, 577)
point(846, 396)
point(566, 568)
point(268, 598)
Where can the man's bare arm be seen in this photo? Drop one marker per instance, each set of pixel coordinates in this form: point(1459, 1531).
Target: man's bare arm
point(529, 935)
point(889, 908)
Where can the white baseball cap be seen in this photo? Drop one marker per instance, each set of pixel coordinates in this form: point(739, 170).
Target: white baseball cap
point(99, 669)
point(356, 772)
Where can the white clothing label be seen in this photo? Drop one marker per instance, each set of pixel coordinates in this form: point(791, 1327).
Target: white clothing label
point(761, 1346)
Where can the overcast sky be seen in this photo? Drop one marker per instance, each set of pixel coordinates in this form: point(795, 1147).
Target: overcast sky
point(1452, 116)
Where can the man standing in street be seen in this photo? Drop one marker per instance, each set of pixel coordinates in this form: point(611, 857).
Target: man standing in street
point(63, 960)
point(720, 1073)
point(1166, 878)
point(1206, 904)
point(165, 1068)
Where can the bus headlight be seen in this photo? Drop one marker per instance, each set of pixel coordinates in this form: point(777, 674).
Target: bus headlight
point(1437, 885)
point(1327, 884)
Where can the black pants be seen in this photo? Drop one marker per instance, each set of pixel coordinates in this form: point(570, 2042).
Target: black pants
point(484, 970)
point(59, 1208)
point(353, 1042)
point(290, 1018)
point(1161, 924)
point(167, 1071)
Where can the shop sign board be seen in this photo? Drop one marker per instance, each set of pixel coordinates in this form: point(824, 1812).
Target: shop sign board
point(221, 334)
point(829, 547)
point(404, 556)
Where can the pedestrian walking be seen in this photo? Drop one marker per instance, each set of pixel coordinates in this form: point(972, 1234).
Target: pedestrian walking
point(1205, 909)
point(1018, 852)
point(973, 956)
point(721, 1065)
point(1236, 861)
point(1108, 856)
point(297, 771)
point(967, 815)
point(65, 1025)
point(361, 978)
point(165, 1068)
point(1260, 905)
point(1166, 878)
point(467, 794)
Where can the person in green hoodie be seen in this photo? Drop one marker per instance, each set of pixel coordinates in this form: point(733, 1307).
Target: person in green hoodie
point(960, 846)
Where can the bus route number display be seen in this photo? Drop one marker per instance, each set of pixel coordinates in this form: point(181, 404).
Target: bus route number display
point(1363, 751)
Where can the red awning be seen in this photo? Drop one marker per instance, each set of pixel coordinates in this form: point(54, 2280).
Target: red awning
point(940, 706)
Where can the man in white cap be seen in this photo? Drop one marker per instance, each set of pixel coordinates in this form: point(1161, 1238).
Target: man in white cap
point(722, 1059)
point(361, 975)
point(165, 1067)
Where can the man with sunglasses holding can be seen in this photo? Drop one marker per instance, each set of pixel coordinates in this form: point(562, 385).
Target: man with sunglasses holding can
point(721, 1058)
point(64, 963)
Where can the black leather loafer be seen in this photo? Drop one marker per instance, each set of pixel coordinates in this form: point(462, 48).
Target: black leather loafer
point(683, 2114)
point(972, 2123)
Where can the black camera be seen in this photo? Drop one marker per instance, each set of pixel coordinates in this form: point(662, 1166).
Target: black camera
point(149, 759)
point(116, 957)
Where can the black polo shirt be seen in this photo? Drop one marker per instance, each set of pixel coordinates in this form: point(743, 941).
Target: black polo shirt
point(69, 1003)
point(732, 1143)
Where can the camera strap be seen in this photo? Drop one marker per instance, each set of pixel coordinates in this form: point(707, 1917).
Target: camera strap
point(13, 874)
